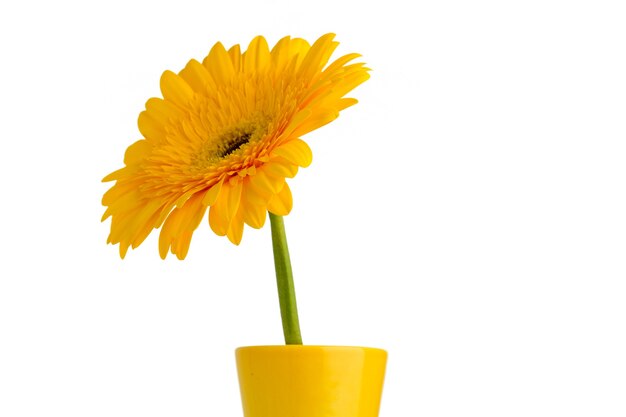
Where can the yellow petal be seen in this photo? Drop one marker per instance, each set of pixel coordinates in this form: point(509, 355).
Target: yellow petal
point(253, 207)
point(219, 64)
point(123, 249)
point(193, 212)
point(217, 219)
point(118, 174)
point(298, 48)
point(318, 55)
point(225, 208)
point(280, 53)
point(299, 118)
point(146, 215)
point(255, 216)
point(150, 128)
point(349, 82)
point(145, 230)
point(265, 185)
point(257, 56)
point(344, 103)
point(235, 231)
point(180, 247)
point(234, 196)
point(171, 228)
point(211, 196)
point(180, 225)
point(296, 151)
point(196, 75)
point(280, 168)
point(162, 111)
point(323, 117)
point(281, 203)
point(175, 89)
point(337, 64)
point(119, 229)
point(235, 56)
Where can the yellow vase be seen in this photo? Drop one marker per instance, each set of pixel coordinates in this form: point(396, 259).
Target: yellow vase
point(310, 381)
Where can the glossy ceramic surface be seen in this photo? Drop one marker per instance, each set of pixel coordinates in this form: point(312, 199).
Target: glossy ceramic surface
point(310, 381)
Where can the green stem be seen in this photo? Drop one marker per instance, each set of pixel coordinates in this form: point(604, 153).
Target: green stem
point(284, 280)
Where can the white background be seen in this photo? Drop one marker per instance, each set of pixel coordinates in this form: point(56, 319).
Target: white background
point(468, 215)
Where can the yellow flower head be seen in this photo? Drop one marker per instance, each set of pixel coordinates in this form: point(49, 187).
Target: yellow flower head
point(224, 137)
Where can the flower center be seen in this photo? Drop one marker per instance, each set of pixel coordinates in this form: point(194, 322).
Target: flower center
point(232, 139)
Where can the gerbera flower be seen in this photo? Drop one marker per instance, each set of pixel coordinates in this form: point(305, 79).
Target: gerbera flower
point(224, 137)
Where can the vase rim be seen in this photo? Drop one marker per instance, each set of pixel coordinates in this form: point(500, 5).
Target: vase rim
point(310, 347)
